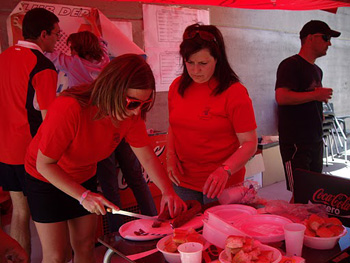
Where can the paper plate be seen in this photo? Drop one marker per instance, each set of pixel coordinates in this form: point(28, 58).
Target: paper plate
point(230, 212)
point(265, 228)
point(277, 256)
point(127, 230)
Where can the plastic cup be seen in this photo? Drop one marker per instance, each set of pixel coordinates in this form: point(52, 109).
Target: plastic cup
point(190, 252)
point(294, 238)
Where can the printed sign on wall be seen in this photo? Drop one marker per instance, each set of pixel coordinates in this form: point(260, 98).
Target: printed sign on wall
point(71, 21)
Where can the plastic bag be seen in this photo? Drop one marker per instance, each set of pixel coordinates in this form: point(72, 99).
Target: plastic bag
point(243, 193)
point(295, 212)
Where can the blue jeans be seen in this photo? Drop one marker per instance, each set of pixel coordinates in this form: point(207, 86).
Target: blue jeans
point(189, 194)
point(132, 173)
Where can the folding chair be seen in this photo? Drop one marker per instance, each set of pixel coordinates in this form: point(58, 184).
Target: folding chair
point(333, 133)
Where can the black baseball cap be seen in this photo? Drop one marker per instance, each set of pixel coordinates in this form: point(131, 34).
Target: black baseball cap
point(317, 26)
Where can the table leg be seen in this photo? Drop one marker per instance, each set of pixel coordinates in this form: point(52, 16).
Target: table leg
point(108, 255)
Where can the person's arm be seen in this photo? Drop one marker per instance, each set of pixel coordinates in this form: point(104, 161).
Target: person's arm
point(217, 180)
point(93, 202)
point(285, 96)
point(92, 19)
point(156, 171)
point(45, 84)
point(43, 113)
point(60, 60)
point(174, 167)
point(11, 249)
point(17, 21)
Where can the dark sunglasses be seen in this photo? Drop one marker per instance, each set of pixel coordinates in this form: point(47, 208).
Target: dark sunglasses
point(325, 37)
point(205, 35)
point(132, 104)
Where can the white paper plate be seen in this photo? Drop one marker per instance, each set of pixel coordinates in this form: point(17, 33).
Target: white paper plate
point(230, 212)
point(277, 256)
point(265, 228)
point(127, 230)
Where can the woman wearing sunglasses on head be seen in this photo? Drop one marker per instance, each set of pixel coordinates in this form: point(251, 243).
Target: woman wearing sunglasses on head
point(212, 132)
point(83, 126)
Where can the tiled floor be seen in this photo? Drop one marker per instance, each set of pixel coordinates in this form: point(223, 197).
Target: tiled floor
point(275, 191)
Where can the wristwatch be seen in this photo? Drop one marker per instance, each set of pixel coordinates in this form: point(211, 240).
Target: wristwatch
point(227, 169)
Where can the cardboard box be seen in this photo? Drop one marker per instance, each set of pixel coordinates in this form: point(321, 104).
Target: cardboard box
point(254, 169)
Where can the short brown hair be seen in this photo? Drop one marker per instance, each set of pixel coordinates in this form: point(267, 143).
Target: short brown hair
point(86, 44)
point(108, 91)
point(36, 20)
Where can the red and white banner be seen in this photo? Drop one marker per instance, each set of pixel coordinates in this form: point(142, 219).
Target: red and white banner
point(72, 21)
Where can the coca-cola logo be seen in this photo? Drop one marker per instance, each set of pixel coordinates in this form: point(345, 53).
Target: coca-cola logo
point(335, 203)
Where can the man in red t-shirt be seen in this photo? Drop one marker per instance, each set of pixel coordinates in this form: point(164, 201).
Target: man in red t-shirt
point(26, 76)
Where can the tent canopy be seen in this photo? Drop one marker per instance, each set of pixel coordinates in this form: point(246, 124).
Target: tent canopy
point(260, 4)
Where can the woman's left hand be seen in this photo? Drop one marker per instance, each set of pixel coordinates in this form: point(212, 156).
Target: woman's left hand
point(175, 204)
point(215, 183)
point(95, 203)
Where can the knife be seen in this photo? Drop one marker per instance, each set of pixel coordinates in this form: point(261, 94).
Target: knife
point(127, 213)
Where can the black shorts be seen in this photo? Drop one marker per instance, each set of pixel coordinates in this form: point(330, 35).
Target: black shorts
point(48, 204)
point(12, 177)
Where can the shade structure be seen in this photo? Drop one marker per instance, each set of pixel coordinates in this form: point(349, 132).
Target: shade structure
point(258, 4)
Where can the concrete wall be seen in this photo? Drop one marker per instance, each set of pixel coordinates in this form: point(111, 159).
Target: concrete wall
point(256, 42)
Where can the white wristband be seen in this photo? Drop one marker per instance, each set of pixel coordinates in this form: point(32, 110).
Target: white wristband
point(83, 196)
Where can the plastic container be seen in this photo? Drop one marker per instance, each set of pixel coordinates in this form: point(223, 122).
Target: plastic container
point(230, 212)
point(217, 236)
point(322, 243)
point(265, 228)
point(226, 227)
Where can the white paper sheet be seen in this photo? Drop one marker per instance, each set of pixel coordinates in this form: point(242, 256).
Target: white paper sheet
point(163, 29)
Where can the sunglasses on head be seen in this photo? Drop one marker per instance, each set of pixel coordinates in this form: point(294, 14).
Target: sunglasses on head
point(132, 104)
point(205, 35)
point(325, 37)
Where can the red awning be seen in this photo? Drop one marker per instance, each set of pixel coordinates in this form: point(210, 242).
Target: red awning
point(259, 4)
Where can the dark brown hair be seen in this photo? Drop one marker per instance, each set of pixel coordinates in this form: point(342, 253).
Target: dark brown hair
point(86, 44)
point(223, 71)
point(108, 91)
point(36, 20)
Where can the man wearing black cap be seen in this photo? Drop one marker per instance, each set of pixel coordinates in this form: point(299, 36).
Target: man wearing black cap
point(299, 95)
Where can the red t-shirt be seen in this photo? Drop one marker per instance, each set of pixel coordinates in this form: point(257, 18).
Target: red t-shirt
point(205, 127)
point(70, 135)
point(24, 72)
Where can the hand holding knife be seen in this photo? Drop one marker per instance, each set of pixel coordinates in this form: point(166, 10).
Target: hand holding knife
point(131, 214)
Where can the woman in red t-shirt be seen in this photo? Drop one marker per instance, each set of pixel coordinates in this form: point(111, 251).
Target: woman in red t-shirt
point(212, 132)
point(83, 126)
